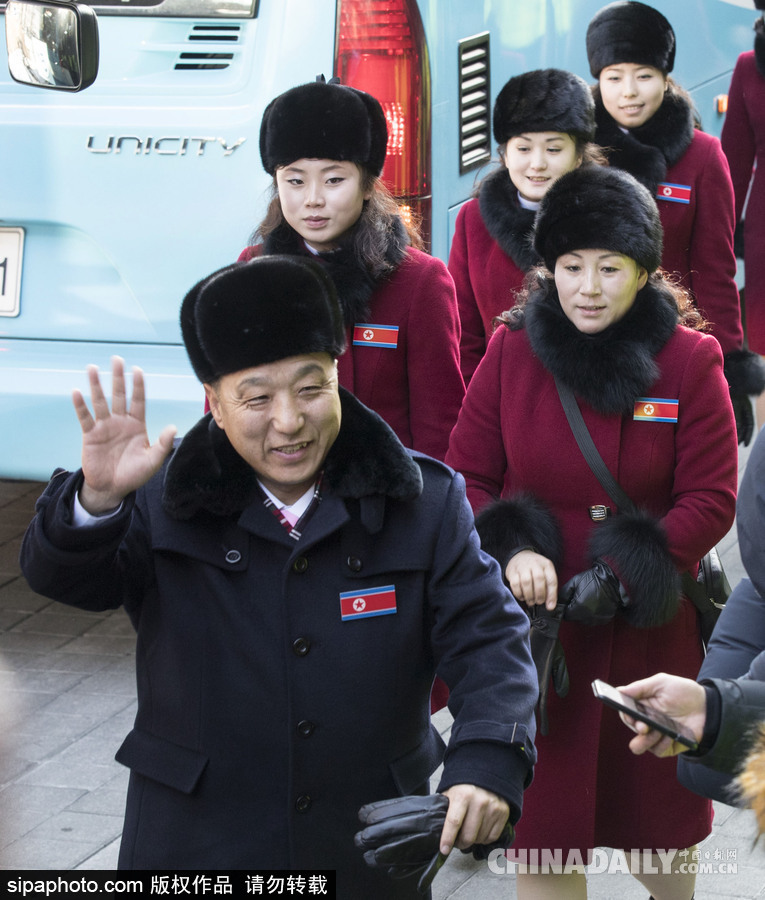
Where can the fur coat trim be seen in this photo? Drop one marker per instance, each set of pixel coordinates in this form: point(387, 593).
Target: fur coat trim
point(205, 473)
point(355, 284)
point(744, 372)
point(635, 546)
point(646, 152)
point(611, 369)
point(509, 224)
point(507, 525)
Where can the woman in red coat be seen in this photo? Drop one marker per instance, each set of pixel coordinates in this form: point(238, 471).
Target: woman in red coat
point(324, 145)
point(654, 398)
point(543, 122)
point(645, 123)
point(743, 142)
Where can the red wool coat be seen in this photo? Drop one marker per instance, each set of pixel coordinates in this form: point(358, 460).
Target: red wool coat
point(414, 385)
point(698, 235)
point(486, 280)
point(743, 142)
point(512, 438)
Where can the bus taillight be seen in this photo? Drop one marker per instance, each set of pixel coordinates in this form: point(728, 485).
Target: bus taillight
point(380, 48)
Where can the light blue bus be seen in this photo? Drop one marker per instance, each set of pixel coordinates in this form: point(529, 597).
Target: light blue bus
point(116, 199)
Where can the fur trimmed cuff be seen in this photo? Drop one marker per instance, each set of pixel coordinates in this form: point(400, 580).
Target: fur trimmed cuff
point(744, 372)
point(635, 546)
point(523, 521)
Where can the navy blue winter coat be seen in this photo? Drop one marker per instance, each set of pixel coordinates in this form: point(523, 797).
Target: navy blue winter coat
point(265, 719)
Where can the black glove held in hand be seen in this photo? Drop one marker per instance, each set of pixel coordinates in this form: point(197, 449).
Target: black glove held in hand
point(594, 596)
point(402, 836)
point(548, 656)
point(742, 410)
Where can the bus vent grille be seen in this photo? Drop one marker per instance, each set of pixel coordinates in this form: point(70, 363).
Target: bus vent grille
point(204, 61)
point(207, 33)
point(475, 105)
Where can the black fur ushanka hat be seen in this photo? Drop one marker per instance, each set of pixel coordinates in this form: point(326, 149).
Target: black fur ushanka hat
point(598, 208)
point(321, 120)
point(544, 100)
point(259, 312)
point(630, 32)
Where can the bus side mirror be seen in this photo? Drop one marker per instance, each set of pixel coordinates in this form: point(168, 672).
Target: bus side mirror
point(52, 44)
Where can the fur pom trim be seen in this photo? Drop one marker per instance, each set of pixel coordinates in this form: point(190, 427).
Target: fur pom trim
point(506, 220)
point(648, 151)
point(752, 779)
point(635, 547)
point(521, 521)
point(744, 372)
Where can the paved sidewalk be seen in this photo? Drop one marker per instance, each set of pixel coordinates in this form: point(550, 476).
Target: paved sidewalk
point(69, 675)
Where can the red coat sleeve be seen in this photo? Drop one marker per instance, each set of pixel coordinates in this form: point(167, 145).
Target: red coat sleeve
point(737, 138)
point(473, 338)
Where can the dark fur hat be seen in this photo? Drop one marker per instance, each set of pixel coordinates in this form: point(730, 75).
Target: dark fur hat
point(544, 100)
point(630, 32)
point(598, 208)
point(324, 121)
point(254, 313)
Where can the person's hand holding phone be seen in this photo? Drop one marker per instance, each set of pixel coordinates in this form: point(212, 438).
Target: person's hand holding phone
point(682, 699)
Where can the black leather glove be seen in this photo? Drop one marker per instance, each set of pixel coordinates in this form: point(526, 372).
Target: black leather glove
point(402, 836)
point(742, 410)
point(548, 656)
point(594, 596)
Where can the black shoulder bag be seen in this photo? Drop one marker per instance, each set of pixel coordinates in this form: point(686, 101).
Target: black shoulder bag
point(711, 589)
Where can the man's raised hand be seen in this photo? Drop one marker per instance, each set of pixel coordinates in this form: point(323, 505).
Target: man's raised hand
point(117, 457)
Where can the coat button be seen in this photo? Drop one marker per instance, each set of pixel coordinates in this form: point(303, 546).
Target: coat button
point(301, 646)
point(354, 563)
point(233, 556)
point(303, 803)
point(305, 728)
point(300, 565)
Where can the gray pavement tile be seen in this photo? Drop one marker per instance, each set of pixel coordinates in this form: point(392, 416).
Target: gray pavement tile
point(41, 853)
point(66, 660)
point(104, 860)
point(58, 621)
point(79, 827)
point(39, 643)
point(55, 773)
point(109, 645)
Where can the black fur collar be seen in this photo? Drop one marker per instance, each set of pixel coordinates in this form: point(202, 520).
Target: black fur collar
point(354, 282)
point(506, 220)
point(759, 45)
point(609, 370)
point(206, 473)
point(648, 151)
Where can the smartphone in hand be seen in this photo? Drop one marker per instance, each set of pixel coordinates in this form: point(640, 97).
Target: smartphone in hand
point(637, 710)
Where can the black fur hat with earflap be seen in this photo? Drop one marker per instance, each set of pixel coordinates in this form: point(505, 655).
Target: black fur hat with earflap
point(599, 208)
point(544, 100)
point(324, 120)
point(259, 312)
point(630, 32)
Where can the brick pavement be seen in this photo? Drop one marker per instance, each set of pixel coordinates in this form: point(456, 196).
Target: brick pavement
point(68, 700)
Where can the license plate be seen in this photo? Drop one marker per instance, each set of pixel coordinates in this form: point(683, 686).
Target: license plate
point(11, 252)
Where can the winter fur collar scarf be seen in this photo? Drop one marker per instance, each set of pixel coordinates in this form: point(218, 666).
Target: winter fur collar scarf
point(353, 281)
point(205, 473)
point(506, 220)
point(609, 370)
point(648, 151)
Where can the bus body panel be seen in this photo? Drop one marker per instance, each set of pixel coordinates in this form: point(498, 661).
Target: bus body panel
point(132, 190)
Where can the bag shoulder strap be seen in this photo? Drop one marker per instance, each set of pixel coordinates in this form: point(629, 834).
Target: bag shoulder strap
point(590, 451)
point(691, 588)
